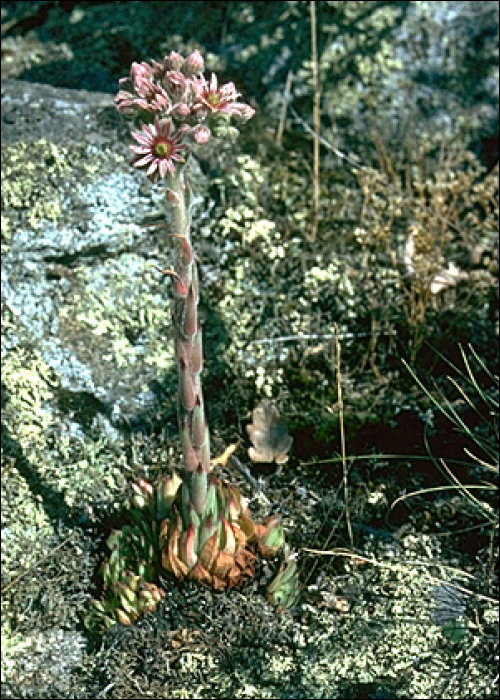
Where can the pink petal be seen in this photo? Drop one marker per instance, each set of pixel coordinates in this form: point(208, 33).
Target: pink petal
point(163, 167)
point(142, 138)
point(144, 161)
point(141, 149)
point(152, 167)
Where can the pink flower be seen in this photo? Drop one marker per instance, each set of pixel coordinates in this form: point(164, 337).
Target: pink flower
point(175, 91)
point(158, 148)
point(151, 96)
point(148, 96)
point(245, 112)
point(219, 99)
point(125, 102)
point(209, 95)
point(137, 71)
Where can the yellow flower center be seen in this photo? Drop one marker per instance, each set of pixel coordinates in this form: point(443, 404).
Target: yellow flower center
point(213, 99)
point(164, 149)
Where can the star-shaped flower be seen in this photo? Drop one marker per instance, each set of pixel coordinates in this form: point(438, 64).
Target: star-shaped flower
point(223, 100)
point(158, 148)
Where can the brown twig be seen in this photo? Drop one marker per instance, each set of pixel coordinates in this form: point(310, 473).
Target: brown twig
point(345, 471)
point(284, 108)
point(316, 122)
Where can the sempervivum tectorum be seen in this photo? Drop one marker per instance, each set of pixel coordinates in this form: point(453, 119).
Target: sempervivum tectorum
point(208, 535)
point(125, 601)
point(203, 529)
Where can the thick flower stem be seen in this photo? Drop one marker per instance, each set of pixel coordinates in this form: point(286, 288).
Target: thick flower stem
point(188, 351)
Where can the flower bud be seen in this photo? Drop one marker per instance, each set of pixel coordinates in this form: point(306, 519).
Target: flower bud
point(201, 134)
point(176, 83)
point(181, 111)
point(174, 61)
point(193, 64)
point(140, 71)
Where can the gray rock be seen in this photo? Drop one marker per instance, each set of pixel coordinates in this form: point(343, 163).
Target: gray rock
point(76, 278)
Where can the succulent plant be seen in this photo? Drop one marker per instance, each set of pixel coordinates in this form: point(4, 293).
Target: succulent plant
point(206, 535)
point(284, 589)
point(207, 539)
point(194, 526)
point(125, 601)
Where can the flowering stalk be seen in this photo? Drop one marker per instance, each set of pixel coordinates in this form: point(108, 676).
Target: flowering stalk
point(200, 527)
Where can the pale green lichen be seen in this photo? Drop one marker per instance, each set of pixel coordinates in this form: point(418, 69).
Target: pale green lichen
point(124, 317)
point(32, 174)
point(28, 172)
point(46, 470)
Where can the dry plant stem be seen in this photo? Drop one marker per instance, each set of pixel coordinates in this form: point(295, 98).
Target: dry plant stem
point(286, 99)
point(344, 459)
point(361, 559)
point(342, 440)
point(356, 167)
point(316, 121)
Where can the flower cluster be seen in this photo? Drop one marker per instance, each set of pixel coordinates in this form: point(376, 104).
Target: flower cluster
point(175, 107)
